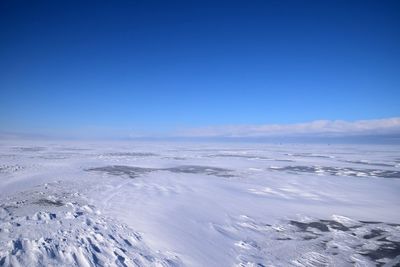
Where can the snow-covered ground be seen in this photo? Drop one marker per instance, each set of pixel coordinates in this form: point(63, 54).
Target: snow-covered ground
point(178, 204)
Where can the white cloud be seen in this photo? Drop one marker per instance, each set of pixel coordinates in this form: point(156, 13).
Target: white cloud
point(320, 127)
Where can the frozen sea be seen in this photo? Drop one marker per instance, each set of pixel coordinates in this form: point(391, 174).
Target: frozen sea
point(198, 204)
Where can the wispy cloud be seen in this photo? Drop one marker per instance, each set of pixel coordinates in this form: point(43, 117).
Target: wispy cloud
point(319, 127)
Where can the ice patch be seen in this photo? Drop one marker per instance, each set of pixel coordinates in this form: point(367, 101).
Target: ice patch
point(311, 242)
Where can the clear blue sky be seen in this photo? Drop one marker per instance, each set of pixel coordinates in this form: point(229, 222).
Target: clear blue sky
point(154, 65)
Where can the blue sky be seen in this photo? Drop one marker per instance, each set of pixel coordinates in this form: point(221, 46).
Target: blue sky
point(149, 66)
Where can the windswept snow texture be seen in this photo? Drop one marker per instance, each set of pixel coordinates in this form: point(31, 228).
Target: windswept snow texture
point(53, 225)
point(178, 204)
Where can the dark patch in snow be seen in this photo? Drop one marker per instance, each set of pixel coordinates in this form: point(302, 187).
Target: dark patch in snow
point(48, 202)
point(131, 154)
point(374, 233)
point(312, 242)
point(118, 170)
point(16, 246)
point(387, 250)
point(370, 222)
point(10, 168)
point(369, 163)
point(317, 225)
point(238, 156)
point(335, 225)
point(133, 172)
point(221, 172)
point(30, 149)
point(308, 155)
point(338, 171)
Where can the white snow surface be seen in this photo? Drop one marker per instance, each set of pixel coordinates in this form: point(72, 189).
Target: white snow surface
point(197, 204)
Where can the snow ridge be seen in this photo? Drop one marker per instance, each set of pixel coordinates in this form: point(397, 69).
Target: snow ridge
point(52, 225)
